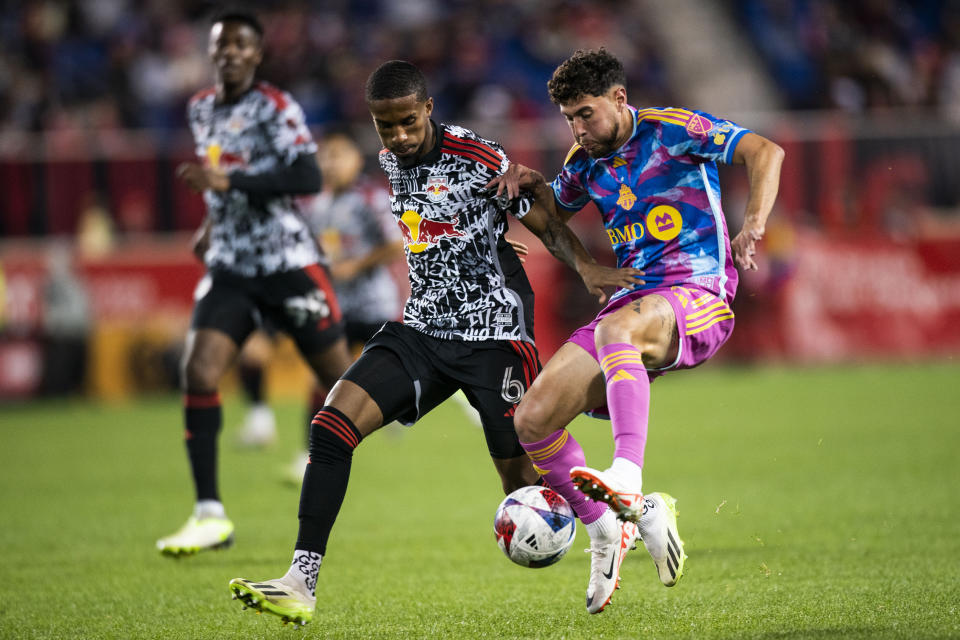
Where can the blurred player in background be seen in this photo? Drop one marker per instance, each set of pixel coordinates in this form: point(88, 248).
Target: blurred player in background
point(262, 260)
point(351, 218)
point(653, 175)
point(467, 324)
point(259, 427)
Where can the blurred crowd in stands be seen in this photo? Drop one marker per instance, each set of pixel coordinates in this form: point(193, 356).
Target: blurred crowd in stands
point(860, 55)
point(134, 63)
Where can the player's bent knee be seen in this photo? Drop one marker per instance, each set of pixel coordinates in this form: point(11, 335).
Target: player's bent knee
point(532, 419)
point(614, 329)
point(199, 377)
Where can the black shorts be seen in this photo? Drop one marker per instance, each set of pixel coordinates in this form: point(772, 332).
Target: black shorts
point(359, 332)
point(408, 373)
point(300, 303)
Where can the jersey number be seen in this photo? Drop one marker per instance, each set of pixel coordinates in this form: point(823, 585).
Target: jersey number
point(511, 390)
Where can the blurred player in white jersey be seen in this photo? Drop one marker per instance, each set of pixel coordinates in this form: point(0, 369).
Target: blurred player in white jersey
point(256, 154)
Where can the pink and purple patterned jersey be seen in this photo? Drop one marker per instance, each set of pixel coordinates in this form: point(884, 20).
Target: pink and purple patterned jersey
point(659, 195)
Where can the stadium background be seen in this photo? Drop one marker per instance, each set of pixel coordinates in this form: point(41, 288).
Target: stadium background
point(861, 256)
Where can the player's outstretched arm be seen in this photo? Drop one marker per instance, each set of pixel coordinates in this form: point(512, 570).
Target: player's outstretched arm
point(763, 159)
point(559, 239)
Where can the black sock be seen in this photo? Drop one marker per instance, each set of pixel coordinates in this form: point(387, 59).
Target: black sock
point(251, 378)
point(332, 441)
point(202, 415)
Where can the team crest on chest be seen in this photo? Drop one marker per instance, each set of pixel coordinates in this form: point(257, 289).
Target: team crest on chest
point(626, 199)
point(236, 123)
point(437, 188)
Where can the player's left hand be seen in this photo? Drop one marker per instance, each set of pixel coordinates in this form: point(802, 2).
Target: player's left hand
point(515, 179)
point(201, 178)
point(744, 247)
point(597, 277)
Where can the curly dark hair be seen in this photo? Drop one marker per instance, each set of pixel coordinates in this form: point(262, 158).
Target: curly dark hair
point(585, 73)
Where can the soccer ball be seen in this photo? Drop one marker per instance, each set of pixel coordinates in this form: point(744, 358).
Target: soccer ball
point(535, 526)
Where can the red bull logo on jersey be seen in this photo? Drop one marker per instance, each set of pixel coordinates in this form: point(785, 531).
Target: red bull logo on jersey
point(420, 233)
point(219, 159)
point(437, 188)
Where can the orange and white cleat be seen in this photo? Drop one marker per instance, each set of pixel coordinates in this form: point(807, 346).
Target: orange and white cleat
point(604, 486)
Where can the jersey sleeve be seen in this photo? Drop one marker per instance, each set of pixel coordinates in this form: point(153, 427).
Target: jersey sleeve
point(286, 128)
point(699, 135)
point(568, 189)
point(193, 122)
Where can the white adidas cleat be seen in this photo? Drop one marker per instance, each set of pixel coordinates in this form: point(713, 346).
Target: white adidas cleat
point(283, 600)
point(203, 534)
point(259, 427)
point(606, 556)
point(658, 528)
point(604, 486)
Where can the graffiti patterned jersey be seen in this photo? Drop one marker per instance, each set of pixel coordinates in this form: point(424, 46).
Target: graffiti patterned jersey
point(350, 225)
point(466, 282)
point(659, 195)
point(253, 235)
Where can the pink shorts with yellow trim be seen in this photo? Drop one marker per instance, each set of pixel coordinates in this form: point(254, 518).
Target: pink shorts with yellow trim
point(704, 322)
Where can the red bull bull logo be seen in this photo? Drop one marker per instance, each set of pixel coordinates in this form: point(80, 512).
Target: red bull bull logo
point(437, 188)
point(420, 233)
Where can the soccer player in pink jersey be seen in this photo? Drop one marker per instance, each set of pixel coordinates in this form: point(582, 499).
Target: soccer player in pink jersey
point(653, 175)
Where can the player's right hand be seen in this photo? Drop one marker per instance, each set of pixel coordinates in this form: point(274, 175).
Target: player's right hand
point(201, 178)
point(515, 179)
point(597, 277)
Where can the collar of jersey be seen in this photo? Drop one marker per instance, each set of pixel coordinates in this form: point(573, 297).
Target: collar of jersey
point(229, 103)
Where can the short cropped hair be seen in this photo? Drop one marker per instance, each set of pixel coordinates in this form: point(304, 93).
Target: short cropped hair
point(396, 79)
point(585, 73)
point(242, 16)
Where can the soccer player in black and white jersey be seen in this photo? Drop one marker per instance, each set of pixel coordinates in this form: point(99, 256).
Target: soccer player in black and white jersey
point(468, 323)
point(262, 260)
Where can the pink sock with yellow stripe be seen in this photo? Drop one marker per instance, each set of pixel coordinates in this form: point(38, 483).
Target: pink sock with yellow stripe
point(553, 458)
point(628, 398)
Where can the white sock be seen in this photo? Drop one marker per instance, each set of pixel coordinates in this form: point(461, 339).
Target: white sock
point(629, 472)
point(209, 509)
point(304, 570)
point(603, 528)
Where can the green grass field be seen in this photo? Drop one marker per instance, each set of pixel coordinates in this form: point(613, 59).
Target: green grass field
point(815, 503)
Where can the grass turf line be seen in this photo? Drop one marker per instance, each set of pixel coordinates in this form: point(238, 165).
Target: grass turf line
point(815, 503)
